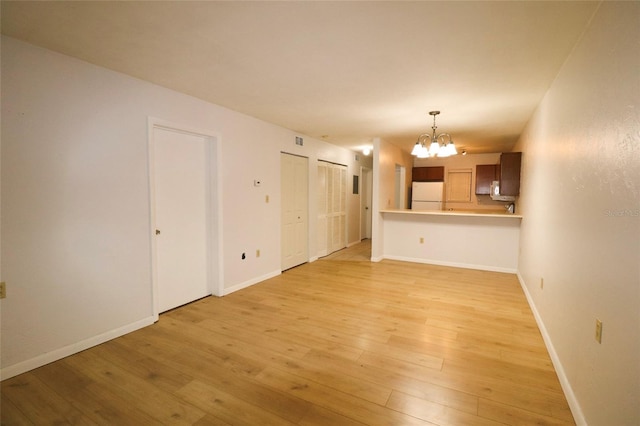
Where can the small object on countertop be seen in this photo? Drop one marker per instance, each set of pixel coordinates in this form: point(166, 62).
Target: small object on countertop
point(511, 208)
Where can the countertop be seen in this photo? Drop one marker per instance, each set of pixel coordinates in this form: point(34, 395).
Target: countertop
point(471, 213)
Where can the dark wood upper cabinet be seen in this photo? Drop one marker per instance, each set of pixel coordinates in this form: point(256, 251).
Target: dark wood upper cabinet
point(427, 174)
point(510, 173)
point(485, 174)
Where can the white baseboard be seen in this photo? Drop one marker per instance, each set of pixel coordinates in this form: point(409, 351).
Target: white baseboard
point(452, 264)
point(251, 282)
point(576, 410)
point(57, 354)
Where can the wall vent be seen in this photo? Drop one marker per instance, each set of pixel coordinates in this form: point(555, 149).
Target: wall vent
point(299, 141)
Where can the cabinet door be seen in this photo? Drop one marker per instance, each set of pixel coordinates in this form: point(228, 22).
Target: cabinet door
point(427, 174)
point(485, 174)
point(510, 173)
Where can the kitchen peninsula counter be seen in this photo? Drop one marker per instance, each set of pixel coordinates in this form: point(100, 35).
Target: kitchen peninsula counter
point(471, 213)
point(473, 239)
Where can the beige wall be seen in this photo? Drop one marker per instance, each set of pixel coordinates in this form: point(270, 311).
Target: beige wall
point(390, 156)
point(386, 157)
point(581, 229)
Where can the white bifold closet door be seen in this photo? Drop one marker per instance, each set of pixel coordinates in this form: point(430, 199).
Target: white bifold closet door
point(332, 207)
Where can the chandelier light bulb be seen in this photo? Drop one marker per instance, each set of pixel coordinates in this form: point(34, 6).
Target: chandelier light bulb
point(416, 148)
point(423, 152)
point(434, 148)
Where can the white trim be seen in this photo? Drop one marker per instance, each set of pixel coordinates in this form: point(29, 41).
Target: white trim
point(214, 201)
point(452, 264)
point(251, 282)
point(574, 405)
point(57, 354)
point(313, 259)
point(217, 198)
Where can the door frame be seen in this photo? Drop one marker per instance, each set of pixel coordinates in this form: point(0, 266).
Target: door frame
point(215, 273)
point(366, 197)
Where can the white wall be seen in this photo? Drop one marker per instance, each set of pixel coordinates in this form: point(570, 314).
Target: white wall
point(75, 199)
point(485, 242)
point(580, 199)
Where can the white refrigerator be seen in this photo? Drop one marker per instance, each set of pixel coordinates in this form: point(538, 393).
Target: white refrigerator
point(427, 195)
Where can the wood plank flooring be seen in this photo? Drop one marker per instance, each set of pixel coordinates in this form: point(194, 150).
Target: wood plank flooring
point(334, 342)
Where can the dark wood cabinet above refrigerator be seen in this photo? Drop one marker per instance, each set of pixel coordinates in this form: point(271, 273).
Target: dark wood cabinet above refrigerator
point(427, 174)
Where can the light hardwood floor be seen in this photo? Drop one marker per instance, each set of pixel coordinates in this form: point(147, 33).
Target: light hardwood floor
point(360, 252)
point(334, 342)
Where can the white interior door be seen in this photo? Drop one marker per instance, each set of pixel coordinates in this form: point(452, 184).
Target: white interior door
point(332, 207)
point(322, 209)
point(181, 170)
point(295, 199)
point(366, 203)
point(338, 208)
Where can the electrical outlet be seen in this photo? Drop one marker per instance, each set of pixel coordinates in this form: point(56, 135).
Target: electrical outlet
point(266, 199)
point(541, 283)
point(421, 240)
point(3, 290)
point(598, 330)
point(258, 253)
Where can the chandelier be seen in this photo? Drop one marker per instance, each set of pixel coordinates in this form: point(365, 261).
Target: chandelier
point(438, 146)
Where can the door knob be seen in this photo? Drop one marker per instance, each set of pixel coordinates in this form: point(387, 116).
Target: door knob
point(157, 232)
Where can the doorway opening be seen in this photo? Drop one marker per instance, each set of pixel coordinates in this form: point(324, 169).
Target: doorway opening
point(366, 202)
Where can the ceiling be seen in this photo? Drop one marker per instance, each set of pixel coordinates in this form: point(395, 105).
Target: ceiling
point(345, 72)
